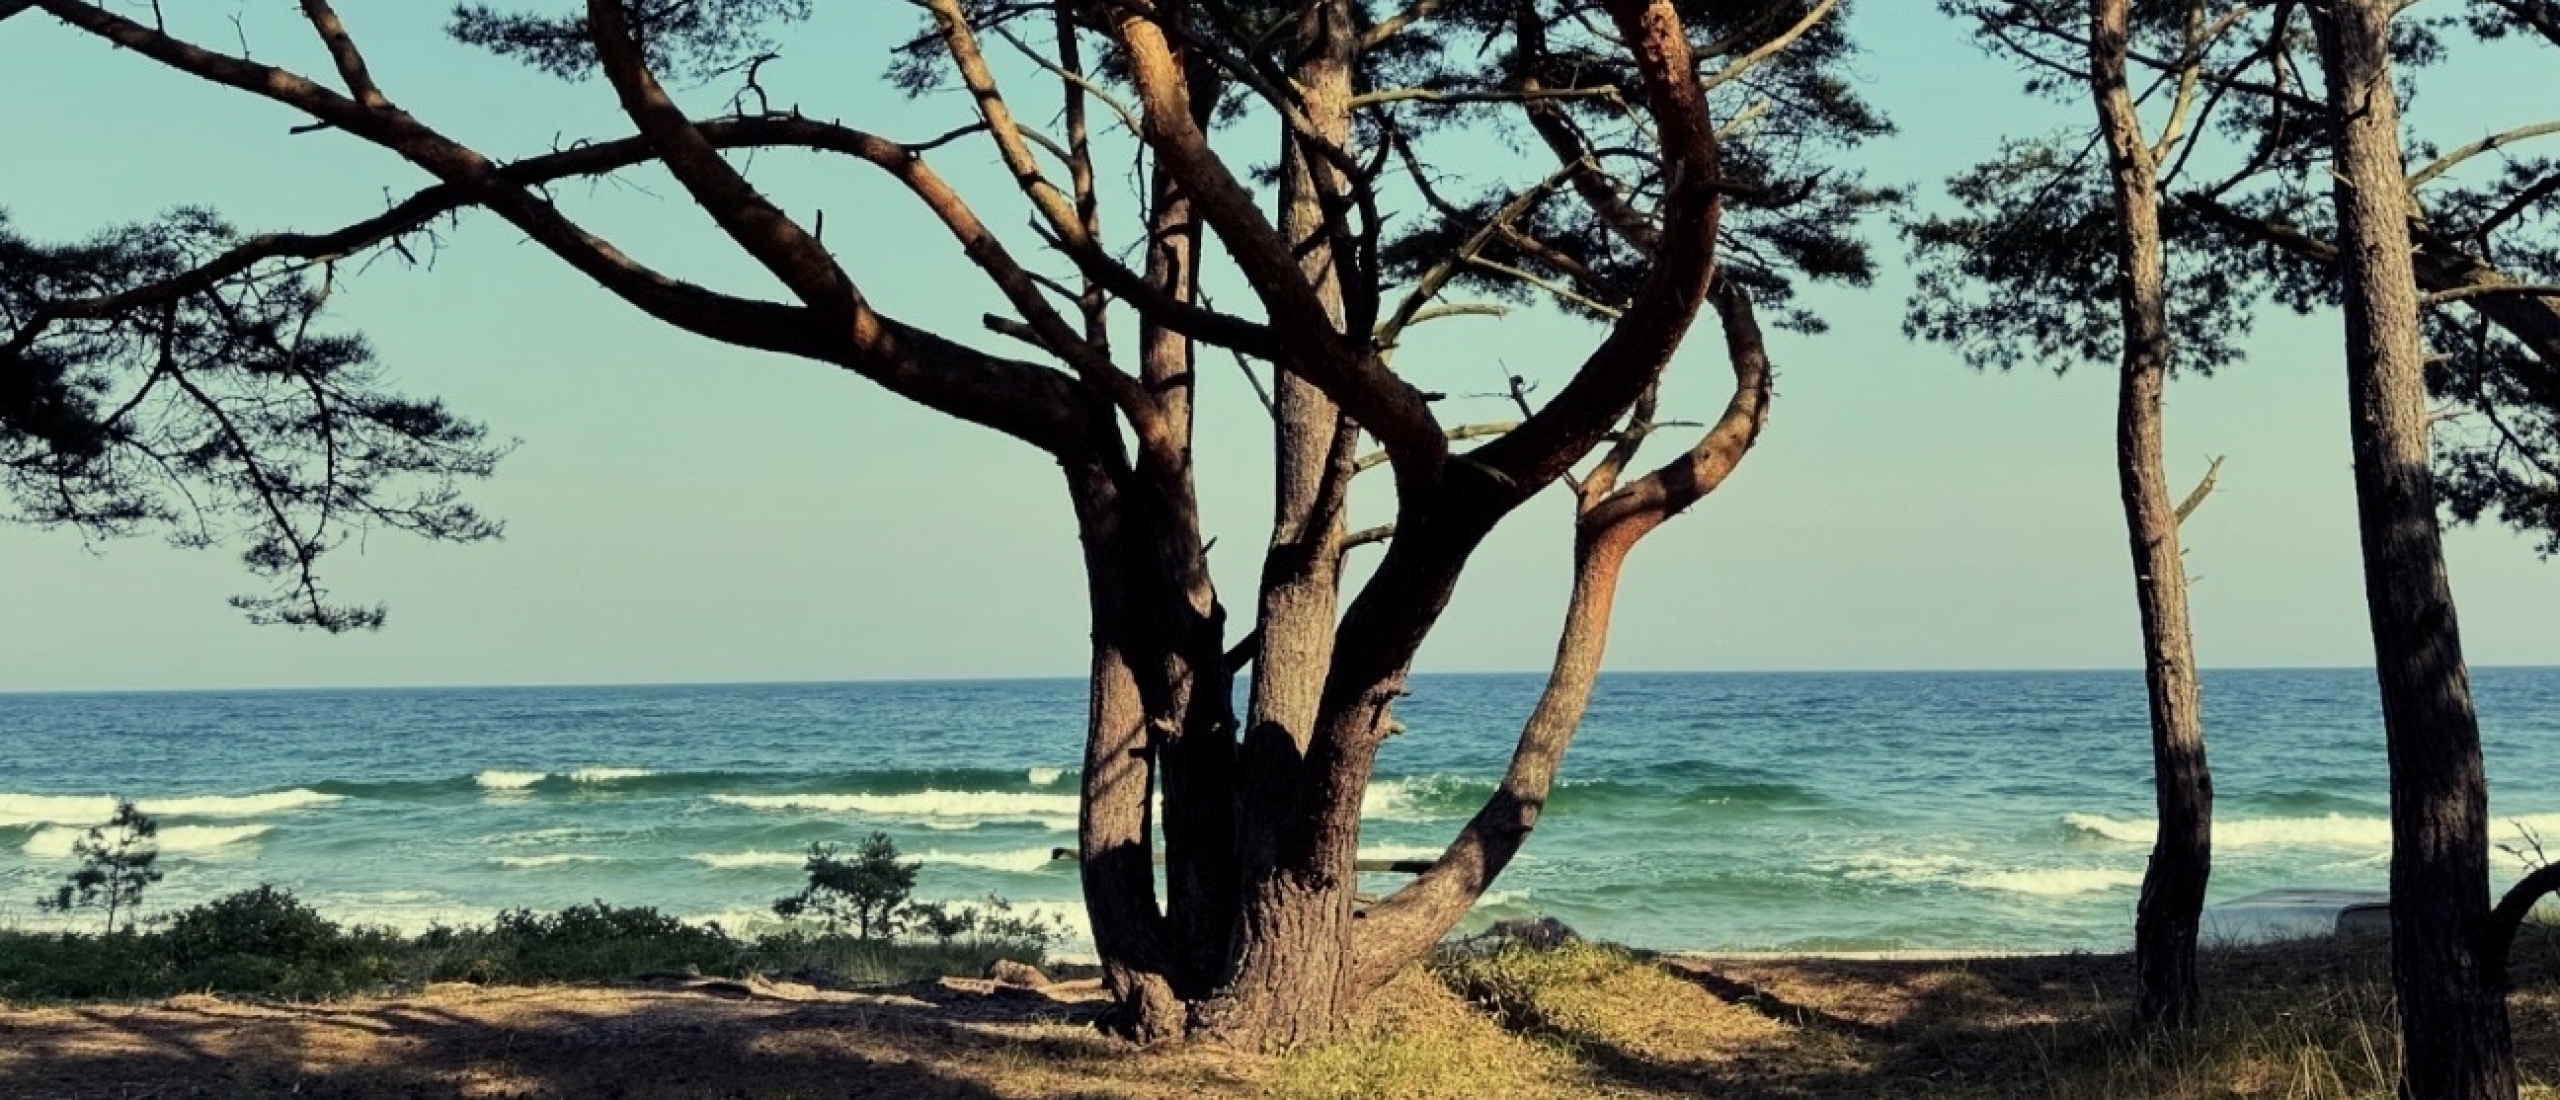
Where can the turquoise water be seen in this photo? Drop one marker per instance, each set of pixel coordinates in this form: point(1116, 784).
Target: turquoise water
point(1801, 811)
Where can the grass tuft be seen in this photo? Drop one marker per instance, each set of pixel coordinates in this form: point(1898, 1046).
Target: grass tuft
point(1415, 1041)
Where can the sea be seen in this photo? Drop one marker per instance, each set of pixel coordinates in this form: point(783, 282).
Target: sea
point(1852, 812)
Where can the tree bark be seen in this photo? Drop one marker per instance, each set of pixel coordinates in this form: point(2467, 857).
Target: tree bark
point(1115, 830)
point(2454, 1039)
point(2171, 909)
point(1296, 850)
point(1163, 695)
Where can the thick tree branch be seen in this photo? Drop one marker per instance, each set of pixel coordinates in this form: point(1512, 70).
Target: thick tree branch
point(2508, 918)
point(1642, 341)
point(1667, 491)
point(1024, 400)
point(1310, 342)
point(1425, 909)
point(1776, 45)
point(343, 52)
point(2533, 319)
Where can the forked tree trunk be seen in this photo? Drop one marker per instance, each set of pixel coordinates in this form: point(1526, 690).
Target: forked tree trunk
point(2454, 1039)
point(1325, 676)
point(2171, 910)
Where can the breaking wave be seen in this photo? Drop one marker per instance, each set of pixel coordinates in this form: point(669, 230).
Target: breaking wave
point(56, 809)
point(2060, 882)
point(738, 861)
point(497, 780)
point(56, 841)
point(608, 775)
point(977, 805)
point(1023, 861)
point(555, 859)
point(2327, 831)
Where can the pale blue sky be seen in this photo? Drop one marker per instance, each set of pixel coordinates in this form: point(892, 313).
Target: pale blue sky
point(681, 511)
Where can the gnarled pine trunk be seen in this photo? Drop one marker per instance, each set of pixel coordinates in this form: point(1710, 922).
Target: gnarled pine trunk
point(2453, 1016)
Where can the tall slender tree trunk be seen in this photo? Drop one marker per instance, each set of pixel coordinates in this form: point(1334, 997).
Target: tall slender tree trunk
point(2454, 1039)
point(1297, 838)
point(2171, 910)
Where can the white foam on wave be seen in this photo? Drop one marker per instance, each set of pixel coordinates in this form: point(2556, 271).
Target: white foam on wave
point(1894, 867)
point(2059, 882)
point(1400, 851)
point(1394, 800)
point(554, 859)
point(56, 841)
point(1042, 777)
point(56, 809)
point(978, 805)
point(608, 775)
point(497, 780)
point(2330, 831)
point(1020, 861)
point(409, 911)
point(736, 861)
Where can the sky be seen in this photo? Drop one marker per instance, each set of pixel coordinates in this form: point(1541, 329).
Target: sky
point(679, 511)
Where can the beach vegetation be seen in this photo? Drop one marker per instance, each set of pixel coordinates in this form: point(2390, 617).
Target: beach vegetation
point(867, 894)
point(266, 942)
point(119, 862)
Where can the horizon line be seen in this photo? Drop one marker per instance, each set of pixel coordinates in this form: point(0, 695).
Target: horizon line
point(597, 685)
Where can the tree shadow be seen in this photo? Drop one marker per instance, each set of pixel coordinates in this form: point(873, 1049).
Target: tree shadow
point(578, 1044)
point(2043, 1027)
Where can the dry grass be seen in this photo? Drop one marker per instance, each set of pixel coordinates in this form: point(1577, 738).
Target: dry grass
point(1417, 1042)
point(2306, 1021)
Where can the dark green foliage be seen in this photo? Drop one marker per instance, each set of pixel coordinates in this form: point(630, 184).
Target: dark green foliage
point(691, 39)
point(2022, 271)
point(118, 862)
point(990, 922)
point(1792, 213)
point(583, 942)
point(866, 895)
point(222, 416)
point(265, 942)
point(2027, 275)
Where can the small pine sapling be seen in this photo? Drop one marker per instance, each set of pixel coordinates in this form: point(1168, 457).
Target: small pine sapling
point(118, 861)
point(866, 894)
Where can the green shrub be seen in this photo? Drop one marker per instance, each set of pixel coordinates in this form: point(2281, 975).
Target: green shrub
point(266, 941)
point(589, 942)
point(264, 920)
point(68, 966)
